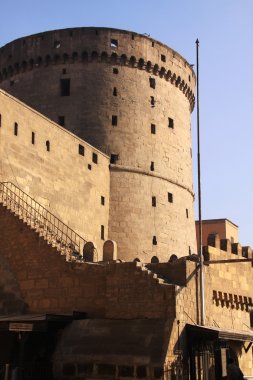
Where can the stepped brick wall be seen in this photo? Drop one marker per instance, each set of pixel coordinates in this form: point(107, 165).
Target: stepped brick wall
point(67, 183)
point(49, 284)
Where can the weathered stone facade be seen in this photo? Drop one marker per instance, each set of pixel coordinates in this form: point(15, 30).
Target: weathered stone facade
point(61, 179)
point(131, 97)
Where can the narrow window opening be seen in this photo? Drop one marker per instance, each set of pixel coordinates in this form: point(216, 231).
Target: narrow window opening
point(107, 369)
point(115, 91)
point(190, 251)
point(102, 200)
point(114, 158)
point(153, 129)
point(141, 372)
point(114, 120)
point(33, 138)
point(115, 70)
point(102, 232)
point(152, 166)
point(89, 166)
point(189, 78)
point(170, 123)
point(170, 197)
point(132, 36)
point(61, 120)
point(152, 82)
point(95, 158)
point(154, 240)
point(0, 120)
point(152, 101)
point(153, 201)
point(114, 43)
point(48, 145)
point(15, 129)
point(81, 150)
point(126, 371)
point(57, 44)
point(187, 213)
point(153, 44)
point(163, 58)
point(64, 71)
point(65, 87)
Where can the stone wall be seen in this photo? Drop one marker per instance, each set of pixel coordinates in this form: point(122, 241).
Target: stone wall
point(112, 74)
point(49, 284)
point(68, 184)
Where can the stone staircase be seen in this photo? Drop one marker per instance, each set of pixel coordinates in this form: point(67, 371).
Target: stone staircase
point(38, 218)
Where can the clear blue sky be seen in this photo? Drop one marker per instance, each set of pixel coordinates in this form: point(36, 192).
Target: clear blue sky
point(225, 31)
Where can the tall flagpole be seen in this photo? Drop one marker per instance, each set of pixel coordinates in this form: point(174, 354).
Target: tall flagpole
point(202, 300)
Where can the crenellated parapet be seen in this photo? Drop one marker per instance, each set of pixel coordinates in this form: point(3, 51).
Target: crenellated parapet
point(131, 97)
point(84, 57)
point(224, 248)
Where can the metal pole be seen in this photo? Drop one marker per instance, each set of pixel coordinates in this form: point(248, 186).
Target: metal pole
point(202, 302)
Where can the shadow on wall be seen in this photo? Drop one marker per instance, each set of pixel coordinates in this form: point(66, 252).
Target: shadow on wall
point(10, 295)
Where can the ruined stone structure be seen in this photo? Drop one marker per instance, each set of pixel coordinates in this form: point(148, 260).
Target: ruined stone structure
point(131, 97)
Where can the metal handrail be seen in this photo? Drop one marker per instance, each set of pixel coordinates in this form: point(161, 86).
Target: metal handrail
point(42, 220)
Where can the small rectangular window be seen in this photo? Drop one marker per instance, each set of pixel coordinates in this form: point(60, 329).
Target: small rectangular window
point(153, 44)
point(103, 232)
point(15, 129)
point(102, 200)
point(48, 145)
point(114, 120)
point(153, 129)
point(170, 197)
point(57, 44)
point(153, 201)
point(114, 158)
point(115, 70)
point(33, 138)
point(95, 158)
point(89, 166)
point(81, 150)
point(115, 91)
point(152, 82)
point(154, 240)
point(114, 43)
point(152, 166)
point(65, 87)
point(61, 120)
point(152, 101)
point(170, 123)
point(187, 213)
point(163, 58)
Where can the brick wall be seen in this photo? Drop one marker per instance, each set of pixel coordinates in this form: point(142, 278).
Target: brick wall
point(49, 284)
point(58, 179)
point(86, 57)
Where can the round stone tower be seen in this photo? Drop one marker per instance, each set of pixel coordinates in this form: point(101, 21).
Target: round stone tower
point(131, 97)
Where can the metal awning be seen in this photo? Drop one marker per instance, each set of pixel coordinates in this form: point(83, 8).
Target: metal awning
point(37, 322)
point(203, 333)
